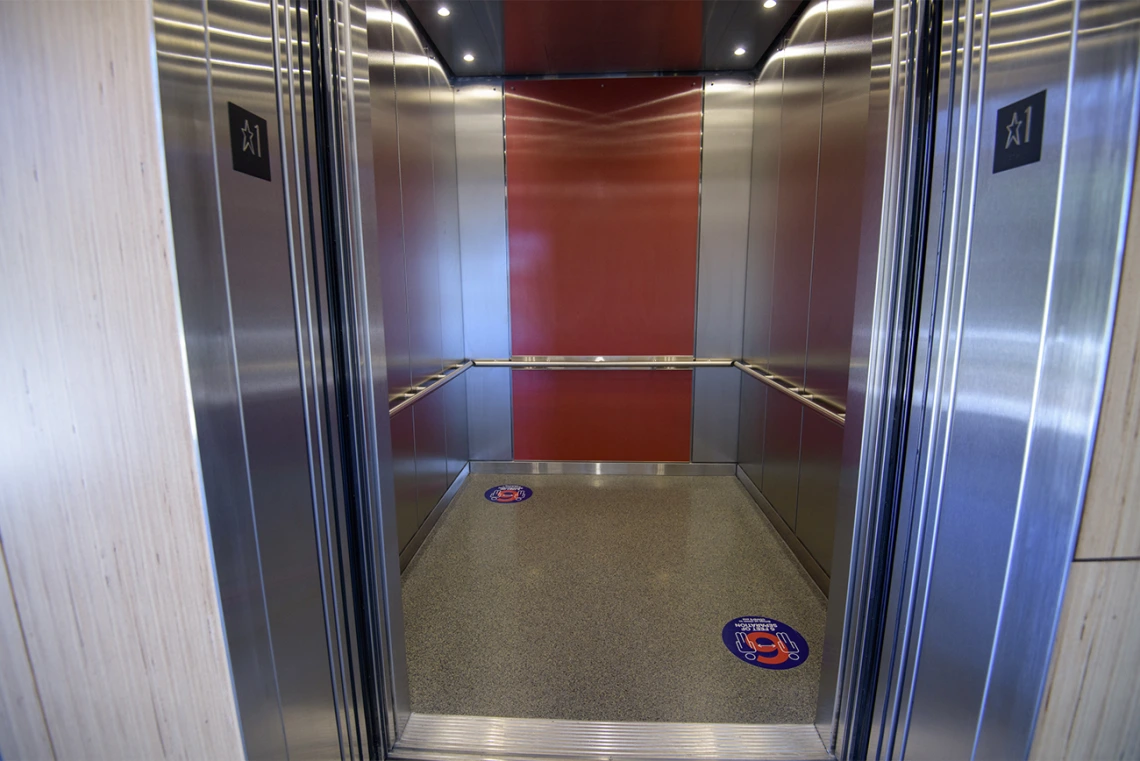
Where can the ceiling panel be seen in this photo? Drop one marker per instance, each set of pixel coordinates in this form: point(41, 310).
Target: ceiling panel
point(481, 38)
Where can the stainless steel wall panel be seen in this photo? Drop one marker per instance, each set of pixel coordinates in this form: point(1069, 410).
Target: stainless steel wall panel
point(781, 475)
point(762, 220)
point(820, 465)
point(431, 452)
point(421, 251)
point(389, 204)
point(716, 414)
point(404, 475)
point(839, 203)
point(207, 322)
point(800, 113)
point(447, 216)
point(489, 413)
point(726, 159)
point(481, 174)
point(455, 406)
point(258, 253)
point(750, 429)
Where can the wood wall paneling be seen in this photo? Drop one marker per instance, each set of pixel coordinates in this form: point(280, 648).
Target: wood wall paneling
point(1091, 706)
point(23, 733)
point(1110, 522)
point(101, 519)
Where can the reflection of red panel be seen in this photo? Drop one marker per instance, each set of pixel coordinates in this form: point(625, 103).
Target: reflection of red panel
point(559, 36)
point(623, 415)
point(602, 194)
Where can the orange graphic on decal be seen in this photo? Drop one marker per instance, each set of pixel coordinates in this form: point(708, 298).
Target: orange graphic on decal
point(772, 651)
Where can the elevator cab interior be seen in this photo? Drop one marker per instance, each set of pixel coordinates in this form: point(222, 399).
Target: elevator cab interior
point(620, 377)
point(630, 234)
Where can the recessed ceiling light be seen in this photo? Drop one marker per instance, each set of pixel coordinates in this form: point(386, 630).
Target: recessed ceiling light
point(769, 3)
point(445, 11)
point(739, 51)
point(468, 57)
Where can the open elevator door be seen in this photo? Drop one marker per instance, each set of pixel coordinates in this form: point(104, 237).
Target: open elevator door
point(269, 166)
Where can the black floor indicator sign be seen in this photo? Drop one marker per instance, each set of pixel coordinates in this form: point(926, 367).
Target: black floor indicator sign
point(508, 493)
point(765, 642)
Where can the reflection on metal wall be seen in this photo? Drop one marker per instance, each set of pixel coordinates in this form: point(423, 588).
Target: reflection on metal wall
point(810, 115)
point(1016, 313)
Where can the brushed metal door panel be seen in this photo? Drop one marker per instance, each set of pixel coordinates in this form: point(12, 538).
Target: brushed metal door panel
point(767, 97)
point(389, 256)
point(753, 401)
point(839, 202)
point(446, 217)
point(265, 339)
point(782, 424)
point(800, 114)
point(431, 452)
point(421, 253)
point(404, 475)
point(212, 364)
point(1009, 235)
point(455, 406)
point(820, 468)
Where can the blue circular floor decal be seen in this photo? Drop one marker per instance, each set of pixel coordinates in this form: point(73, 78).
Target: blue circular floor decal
point(507, 493)
point(765, 642)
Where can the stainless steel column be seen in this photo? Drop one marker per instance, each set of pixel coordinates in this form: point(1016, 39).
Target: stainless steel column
point(726, 159)
point(486, 286)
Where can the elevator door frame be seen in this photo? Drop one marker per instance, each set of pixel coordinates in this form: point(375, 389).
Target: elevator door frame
point(894, 188)
point(870, 417)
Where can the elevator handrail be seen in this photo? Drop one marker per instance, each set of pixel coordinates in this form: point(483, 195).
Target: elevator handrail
point(604, 363)
point(800, 395)
point(414, 394)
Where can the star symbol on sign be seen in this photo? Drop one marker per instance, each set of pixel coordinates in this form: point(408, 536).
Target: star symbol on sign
point(1013, 131)
point(247, 138)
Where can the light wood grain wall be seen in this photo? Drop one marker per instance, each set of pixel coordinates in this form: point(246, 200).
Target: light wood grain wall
point(112, 642)
point(1091, 707)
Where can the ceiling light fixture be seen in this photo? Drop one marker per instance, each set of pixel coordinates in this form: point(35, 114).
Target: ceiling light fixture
point(445, 11)
point(468, 57)
point(769, 3)
point(739, 51)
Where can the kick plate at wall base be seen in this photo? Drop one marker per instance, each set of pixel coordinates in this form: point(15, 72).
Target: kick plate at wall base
point(535, 468)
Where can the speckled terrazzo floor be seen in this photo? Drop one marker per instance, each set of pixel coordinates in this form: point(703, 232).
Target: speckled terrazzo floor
point(602, 598)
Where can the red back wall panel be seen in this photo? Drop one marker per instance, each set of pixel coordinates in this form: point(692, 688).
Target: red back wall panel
point(596, 415)
point(602, 199)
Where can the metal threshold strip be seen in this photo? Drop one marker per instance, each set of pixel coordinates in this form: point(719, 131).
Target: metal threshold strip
point(799, 394)
point(458, 737)
point(428, 386)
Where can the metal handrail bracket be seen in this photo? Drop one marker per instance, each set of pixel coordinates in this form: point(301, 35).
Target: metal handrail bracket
point(414, 394)
point(799, 394)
